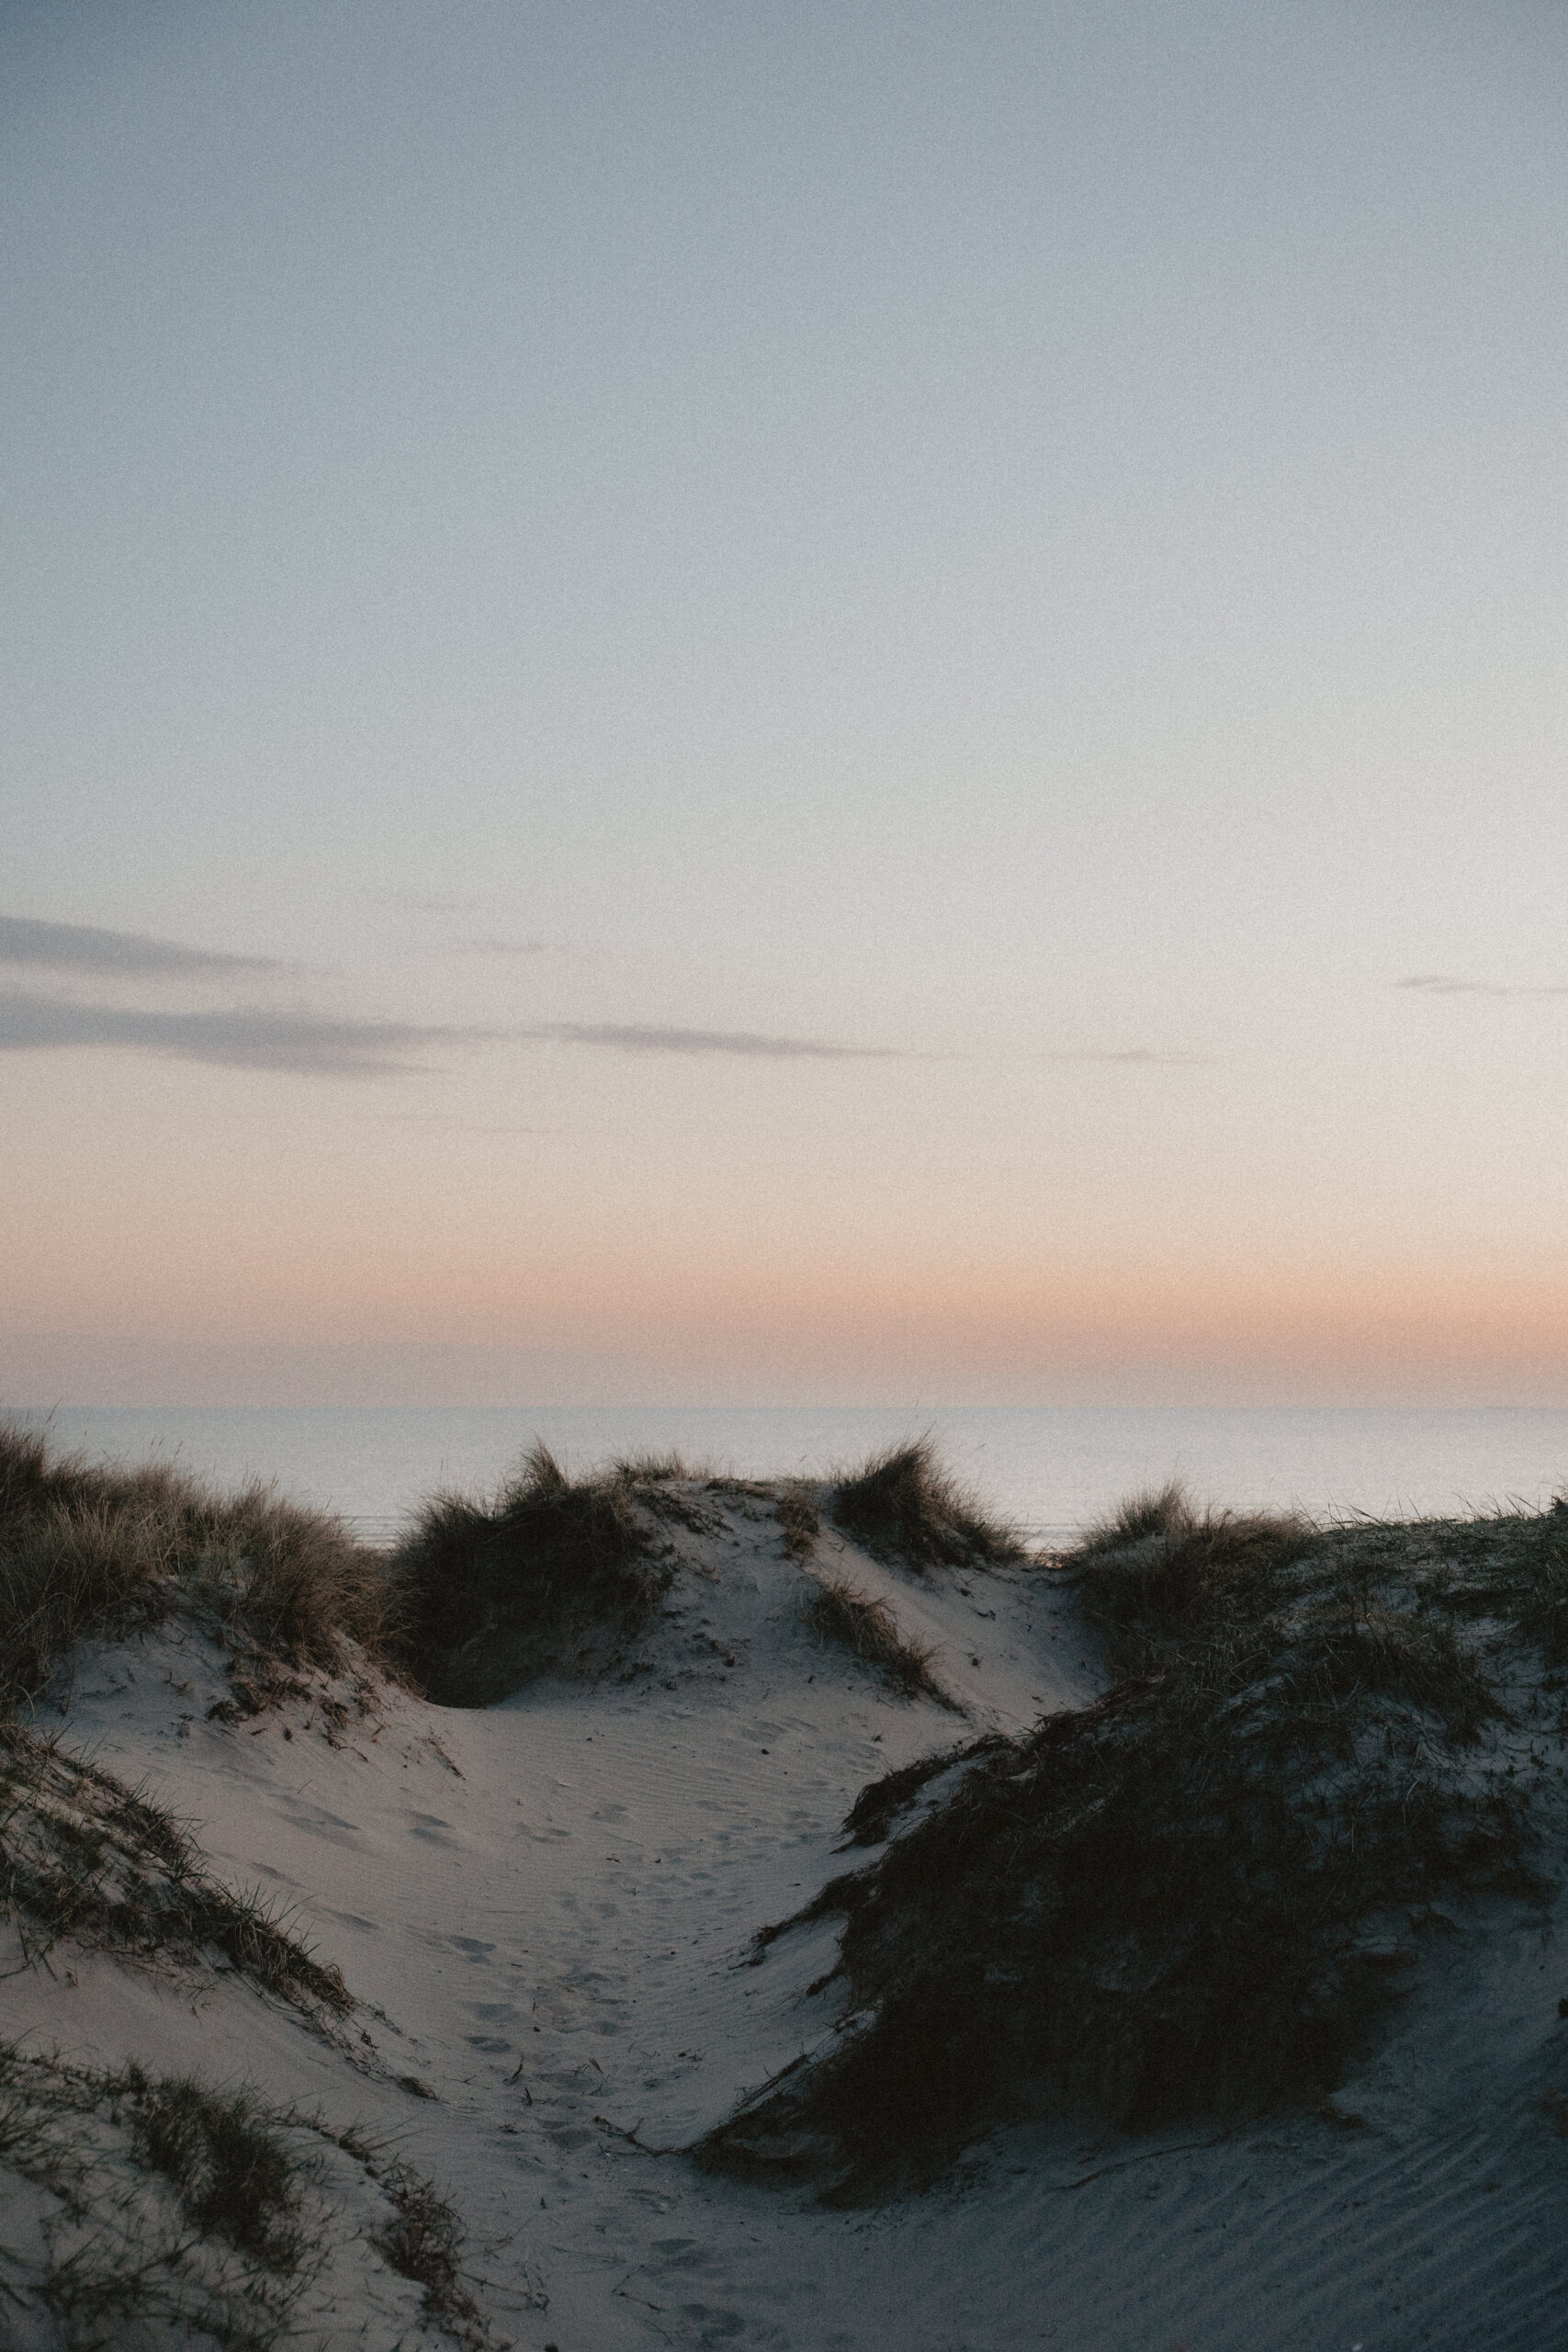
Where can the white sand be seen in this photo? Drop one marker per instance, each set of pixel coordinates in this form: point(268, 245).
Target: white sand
point(547, 1910)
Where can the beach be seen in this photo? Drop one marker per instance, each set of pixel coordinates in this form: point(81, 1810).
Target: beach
point(553, 1919)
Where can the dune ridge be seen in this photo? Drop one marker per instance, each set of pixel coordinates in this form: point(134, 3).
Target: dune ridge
point(698, 1966)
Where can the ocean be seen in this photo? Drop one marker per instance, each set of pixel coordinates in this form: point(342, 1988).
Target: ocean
point(1053, 1469)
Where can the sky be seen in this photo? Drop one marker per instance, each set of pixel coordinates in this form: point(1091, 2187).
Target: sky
point(753, 704)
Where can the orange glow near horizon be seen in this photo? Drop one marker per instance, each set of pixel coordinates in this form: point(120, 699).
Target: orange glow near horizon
point(970, 1325)
point(911, 1273)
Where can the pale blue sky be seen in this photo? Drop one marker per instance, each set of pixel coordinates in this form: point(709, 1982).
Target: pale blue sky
point(1004, 534)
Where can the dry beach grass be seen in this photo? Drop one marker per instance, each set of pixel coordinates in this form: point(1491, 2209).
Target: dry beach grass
point(168, 2210)
point(903, 1506)
point(1196, 1896)
point(868, 1630)
point(89, 1549)
point(550, 1574)
point(85, 1859)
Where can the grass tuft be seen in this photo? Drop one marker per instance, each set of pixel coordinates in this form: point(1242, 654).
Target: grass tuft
point(552, 1575)
point(84, 1856)
point(422, 2242)
point(1156, 1567)
point(869, 1629)
point(1156, 1510)
point(800, 1520)
point(904, 1506)
point(177, 2213)
point(233, 2174)
point(655, 1470)
point(94, 1549)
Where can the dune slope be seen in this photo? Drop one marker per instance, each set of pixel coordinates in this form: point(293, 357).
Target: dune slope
point(545, 1914)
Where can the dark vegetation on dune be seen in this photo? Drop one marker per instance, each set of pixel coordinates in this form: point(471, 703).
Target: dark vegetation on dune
point(424, 2240)
point(102, 1551)
point(206, 2244)
point(800, 1522)
point(180, 2212)
point(903, 1506)
point(84, 1856)
point(840, 1611)
point(478, 1597)
point(1195, 1898)
point(88, 1549)
point(232, 2173)
point(555, 1575)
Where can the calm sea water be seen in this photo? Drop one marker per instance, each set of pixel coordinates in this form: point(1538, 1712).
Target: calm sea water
point(1052, 1469)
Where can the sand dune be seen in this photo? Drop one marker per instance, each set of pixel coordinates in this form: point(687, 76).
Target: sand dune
point(545, 1911)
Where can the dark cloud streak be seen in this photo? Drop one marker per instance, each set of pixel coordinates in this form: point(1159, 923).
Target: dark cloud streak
point(500, 947)
point(301, 1043)
point(1136, 1055)
point(300, 1040)
point(78, 948)
point(1442, 984)
point(633, 1038)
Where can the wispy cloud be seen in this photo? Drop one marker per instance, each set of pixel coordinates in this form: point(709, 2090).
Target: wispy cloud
point(502, 948)
point(453, 1126)
point(244, 1037)
point(236, 1039)
point(415, 902)
point(633, 1038)
point(1445, 984)
point(79, 947)
point(1143, 1054)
